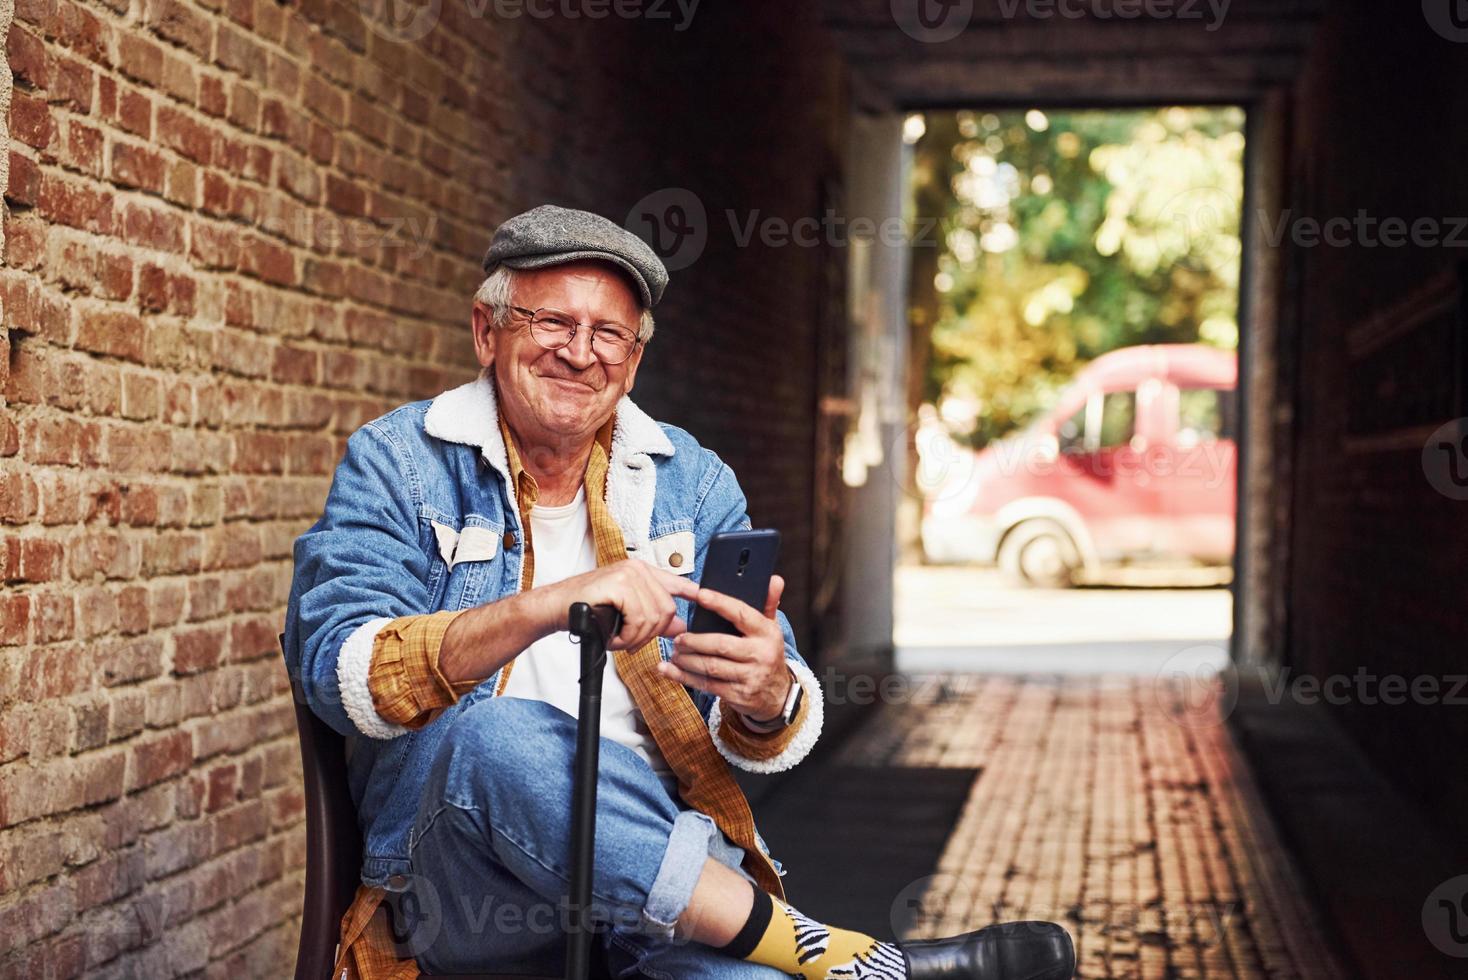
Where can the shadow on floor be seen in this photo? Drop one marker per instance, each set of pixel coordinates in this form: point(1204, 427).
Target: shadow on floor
point(858, 842)
point(1378, 869)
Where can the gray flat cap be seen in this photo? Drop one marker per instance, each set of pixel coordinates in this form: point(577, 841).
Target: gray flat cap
point(549, 235)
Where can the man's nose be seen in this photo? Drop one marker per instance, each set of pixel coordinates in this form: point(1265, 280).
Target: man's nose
point(578, 352)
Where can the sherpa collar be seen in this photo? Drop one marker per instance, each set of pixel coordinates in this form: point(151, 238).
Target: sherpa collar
point(469, 415)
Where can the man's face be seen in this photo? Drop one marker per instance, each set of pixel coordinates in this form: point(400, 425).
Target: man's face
point(566, 393)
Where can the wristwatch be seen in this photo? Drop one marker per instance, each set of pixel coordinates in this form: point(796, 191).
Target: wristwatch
point(792, 706)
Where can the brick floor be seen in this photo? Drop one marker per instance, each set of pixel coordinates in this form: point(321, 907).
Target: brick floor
point(1100, 804)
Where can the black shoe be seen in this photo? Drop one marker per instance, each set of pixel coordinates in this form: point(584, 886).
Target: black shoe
point(1007, 951)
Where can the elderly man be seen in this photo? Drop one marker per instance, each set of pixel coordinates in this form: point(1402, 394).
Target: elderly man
point(427, 624)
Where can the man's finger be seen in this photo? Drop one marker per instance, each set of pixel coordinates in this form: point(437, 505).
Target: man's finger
point(739, 613)
point(703, 682)
point(708, 665)
point(772, 601)
point(682, 586)
point(714, 645)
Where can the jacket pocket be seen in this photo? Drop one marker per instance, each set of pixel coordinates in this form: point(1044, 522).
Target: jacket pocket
point(476, 542)
point(479, 557)
point(468, 555)
point(673, 552)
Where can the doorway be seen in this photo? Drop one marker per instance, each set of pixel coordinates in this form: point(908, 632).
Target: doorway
point(1073, 385)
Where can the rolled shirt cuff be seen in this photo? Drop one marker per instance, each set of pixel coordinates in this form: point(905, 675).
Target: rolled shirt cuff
point(405, 681)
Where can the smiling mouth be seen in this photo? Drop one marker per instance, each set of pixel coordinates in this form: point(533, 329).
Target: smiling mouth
point(567, 381)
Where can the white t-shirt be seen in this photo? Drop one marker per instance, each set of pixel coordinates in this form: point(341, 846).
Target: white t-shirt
point(550, 668)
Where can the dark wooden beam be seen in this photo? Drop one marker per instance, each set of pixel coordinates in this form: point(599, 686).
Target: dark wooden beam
point(1024, 59)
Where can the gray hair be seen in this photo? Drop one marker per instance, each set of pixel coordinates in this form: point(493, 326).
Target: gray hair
point(495, 293)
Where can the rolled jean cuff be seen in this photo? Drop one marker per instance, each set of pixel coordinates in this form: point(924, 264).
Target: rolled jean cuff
point(683, 861)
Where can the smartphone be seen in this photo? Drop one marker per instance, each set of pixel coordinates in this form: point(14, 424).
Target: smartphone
point(738, 563)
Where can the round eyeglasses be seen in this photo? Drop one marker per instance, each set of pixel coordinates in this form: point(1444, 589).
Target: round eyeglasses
point(554, 329)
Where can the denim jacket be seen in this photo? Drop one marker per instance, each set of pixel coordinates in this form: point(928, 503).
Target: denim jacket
point(415, 522)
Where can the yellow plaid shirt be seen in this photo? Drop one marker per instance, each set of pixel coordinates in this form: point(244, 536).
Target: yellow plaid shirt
point(408, 689)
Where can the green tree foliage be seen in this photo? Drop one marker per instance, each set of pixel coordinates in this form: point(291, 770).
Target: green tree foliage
point(1066, 235)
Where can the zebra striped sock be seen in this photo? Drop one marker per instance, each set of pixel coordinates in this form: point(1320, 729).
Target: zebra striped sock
point(780, 936)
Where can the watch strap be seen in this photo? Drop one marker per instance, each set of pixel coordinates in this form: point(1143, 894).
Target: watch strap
point(787, 714)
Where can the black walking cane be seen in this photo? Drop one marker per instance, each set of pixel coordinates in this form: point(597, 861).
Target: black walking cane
point(593, 626)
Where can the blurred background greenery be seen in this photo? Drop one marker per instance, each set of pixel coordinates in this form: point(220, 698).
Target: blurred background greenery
point(1063, 235)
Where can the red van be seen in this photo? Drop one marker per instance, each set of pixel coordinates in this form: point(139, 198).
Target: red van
point(1137, 460)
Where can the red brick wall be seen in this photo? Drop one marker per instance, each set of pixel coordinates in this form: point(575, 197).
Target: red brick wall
point(1377, 578)
point(234, 232)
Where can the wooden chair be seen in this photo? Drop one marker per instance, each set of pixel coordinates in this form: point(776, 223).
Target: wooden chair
point(334, 850)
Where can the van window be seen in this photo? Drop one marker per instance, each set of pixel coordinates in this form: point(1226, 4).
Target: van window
point(1104, 422)
point(1071, 435)
point(1118, 418)
point(1204, 415)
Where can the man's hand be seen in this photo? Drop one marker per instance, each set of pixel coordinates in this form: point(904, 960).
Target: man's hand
point(487, 637)
point(642, 591)
point(748, 671)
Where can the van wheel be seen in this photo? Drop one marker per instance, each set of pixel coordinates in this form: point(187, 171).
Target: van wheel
point(1039, 554)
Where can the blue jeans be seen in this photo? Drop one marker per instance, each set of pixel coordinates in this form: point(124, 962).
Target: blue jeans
point(490, 855)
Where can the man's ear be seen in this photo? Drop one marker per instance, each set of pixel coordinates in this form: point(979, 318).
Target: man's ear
point(481, 323)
